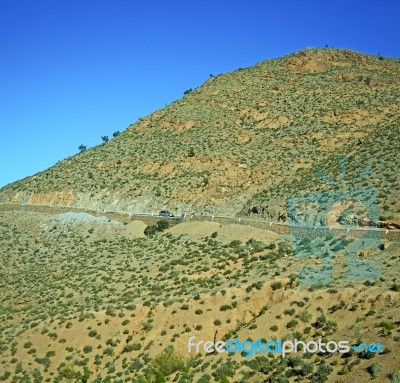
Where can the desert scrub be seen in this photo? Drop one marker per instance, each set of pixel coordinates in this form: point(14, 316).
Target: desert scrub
point(375, 370)
point(87, 349)
point(292, 323)
point(276, 285)
point(168, 362)
point(304, 316)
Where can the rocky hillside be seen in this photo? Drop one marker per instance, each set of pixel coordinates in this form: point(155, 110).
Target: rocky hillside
point(244, 141)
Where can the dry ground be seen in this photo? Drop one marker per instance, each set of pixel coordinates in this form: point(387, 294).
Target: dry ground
point(101, 301)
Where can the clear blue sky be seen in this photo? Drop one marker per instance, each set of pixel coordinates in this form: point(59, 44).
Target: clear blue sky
point(72, 71)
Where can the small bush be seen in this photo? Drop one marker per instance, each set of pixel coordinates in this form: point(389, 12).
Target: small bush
point(168, 362)
point(92, 333)
point(153, 229)
point(276, 285)
point(292, 323)
point(235, 243)
point(132, 347)
point(395, 287)
point(387, 325)
point(375, 370)
point(394, 377)
point(304, 316)
point(87, 349)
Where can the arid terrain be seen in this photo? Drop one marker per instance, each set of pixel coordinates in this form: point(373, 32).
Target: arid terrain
point(88, 296)
point(244, 140)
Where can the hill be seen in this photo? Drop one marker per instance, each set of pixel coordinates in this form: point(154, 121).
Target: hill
point(84, 300)
point(244, 141)
point(89, 293)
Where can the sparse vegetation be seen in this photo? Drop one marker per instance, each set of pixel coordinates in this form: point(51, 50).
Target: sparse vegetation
point(89, 300)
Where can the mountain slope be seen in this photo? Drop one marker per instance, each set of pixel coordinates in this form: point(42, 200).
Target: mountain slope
point(244, 141)
point(82, 301)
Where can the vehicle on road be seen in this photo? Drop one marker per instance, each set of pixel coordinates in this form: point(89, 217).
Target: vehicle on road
point(166, 213)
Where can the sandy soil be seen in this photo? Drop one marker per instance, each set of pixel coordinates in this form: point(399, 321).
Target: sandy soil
point(226, 233)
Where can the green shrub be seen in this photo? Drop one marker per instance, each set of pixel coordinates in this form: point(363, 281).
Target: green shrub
point(68, 372)
point(92, 333)
point(162, 225)
point(87, 349)
point(132, 347)
point(304, 316)
point(322, 373)
point(225, 307)
point(226, 369)
point(158, 227)
point(111, 367)
point(205, 379)
point(292, 323)
point(344, 370)
point(168, 362)
point(375, 370)
point(289, 311)
point(396, 287)
point(387, 325)
point(276, 285)
point(150, 230)
point(235, 243)
point(394, 377)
